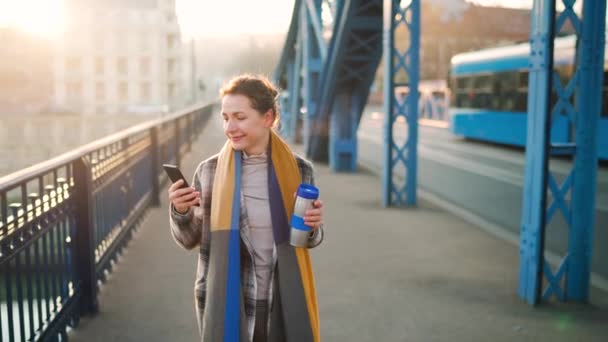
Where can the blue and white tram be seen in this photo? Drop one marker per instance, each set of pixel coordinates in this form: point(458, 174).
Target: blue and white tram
point(490, 90)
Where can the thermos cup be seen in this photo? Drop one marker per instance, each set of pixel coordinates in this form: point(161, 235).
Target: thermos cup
point(299, 231)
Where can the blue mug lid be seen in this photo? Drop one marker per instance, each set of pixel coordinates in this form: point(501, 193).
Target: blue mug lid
point(308, 191)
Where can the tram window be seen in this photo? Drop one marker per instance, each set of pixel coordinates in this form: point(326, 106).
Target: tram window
point(463, 100)
point(463, 82)
point(521, 102)
point(482, 82)
point(523, 80)
point(495, 102)
point(505, 89)
point(481, 100)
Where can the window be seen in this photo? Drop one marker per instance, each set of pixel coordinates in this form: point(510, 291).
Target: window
point(171, 90)
point(170, 65)
point(123, 91)
point(144, 41)
point(461, 91)
point(501, 91)
point(100, 91)
point(121, 66)
point(482, 91)
point(73, 64)
point(170, 40)
point(99, 65)
point(74, 89)
point(145, 91)
point(144, 65)
point(463, 82)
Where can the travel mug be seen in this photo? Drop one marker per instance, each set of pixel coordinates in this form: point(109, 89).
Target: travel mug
point(300, 232)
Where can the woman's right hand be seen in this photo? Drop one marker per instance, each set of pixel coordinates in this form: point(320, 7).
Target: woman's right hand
point(183, 198)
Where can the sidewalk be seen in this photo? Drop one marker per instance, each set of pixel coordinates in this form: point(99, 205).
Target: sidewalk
point(382, 275)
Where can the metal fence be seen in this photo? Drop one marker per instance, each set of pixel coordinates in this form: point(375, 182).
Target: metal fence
point(63, 222)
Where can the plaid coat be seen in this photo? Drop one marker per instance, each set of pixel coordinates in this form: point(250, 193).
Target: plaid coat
point(192, 229)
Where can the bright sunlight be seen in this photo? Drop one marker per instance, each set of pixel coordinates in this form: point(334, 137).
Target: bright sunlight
point(39, 17)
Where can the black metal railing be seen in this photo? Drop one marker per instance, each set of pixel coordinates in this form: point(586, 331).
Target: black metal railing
point(63, 222)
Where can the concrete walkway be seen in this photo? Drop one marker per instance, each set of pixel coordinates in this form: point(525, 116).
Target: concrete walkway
point(382, 275)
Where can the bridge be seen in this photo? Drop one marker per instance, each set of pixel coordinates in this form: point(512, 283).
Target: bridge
point(428, 236)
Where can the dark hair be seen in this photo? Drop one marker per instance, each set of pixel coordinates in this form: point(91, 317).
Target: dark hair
point(262, 94)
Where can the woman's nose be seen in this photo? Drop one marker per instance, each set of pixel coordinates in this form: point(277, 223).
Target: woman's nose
point(230, 126)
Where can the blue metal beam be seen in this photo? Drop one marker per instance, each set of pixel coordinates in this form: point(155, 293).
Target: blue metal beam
point(353, 57)
point(583, 116)
point(406, 154)
point(295, 100)
point(287, 76)
point(314, 15)
point(537, 147)
point(312, 61)
point(588, 102)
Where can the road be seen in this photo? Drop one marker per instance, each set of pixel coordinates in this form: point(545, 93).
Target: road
point(483, 180)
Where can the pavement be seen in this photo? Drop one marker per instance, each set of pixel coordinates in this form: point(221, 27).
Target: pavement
point(397, 274)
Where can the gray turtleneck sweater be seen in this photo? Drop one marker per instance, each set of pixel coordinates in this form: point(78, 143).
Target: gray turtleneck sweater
point(254, 185)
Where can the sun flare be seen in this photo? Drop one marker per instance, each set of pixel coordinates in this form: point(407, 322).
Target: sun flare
point(39, 17)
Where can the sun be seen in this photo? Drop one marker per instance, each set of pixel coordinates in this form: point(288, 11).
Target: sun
point(40, 17)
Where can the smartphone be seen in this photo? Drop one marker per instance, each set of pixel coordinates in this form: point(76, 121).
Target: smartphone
point(175, 174)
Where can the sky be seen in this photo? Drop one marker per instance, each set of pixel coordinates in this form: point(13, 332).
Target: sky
point(196, 17)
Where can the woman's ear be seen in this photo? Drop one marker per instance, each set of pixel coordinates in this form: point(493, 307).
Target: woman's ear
point(269, 119)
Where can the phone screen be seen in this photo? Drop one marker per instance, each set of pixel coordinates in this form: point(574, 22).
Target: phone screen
point(175, 174)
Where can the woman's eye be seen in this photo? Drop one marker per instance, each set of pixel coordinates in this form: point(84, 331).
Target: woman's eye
point(241, 118)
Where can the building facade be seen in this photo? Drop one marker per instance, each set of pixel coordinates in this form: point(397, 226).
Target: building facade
point(120, 56)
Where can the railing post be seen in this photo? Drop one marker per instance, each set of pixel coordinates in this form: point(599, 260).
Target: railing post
point(177, 142)
point(155, 200)
point(189, 121)
point(85, 245)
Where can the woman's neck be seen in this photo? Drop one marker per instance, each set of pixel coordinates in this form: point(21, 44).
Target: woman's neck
point(259, 148)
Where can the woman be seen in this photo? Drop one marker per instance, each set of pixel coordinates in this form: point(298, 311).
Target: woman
point(251, 284)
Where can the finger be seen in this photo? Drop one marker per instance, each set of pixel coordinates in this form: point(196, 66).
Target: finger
point(184, 197)
point(176, 185)
point(312, 220)
point(188, 198)
point(186, 205)
point(313, 212)
point(179, 191)
point(312, 217)
point(182, 192)
point(192, 203)
point(317, 204)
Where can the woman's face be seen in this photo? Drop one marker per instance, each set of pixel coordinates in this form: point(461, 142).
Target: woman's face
point(246, 128)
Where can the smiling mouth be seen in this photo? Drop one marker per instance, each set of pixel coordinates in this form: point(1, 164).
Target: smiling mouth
point(236, 138)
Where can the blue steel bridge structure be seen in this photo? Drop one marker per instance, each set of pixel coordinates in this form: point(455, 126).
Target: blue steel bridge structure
point(64, 222)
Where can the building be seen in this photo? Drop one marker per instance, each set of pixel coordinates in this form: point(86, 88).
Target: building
point(120, 56)
point(449, 27)
point(455, 26)
point(25, 73)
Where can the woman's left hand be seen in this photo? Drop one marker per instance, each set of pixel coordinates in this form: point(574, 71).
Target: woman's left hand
point(314, 217)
